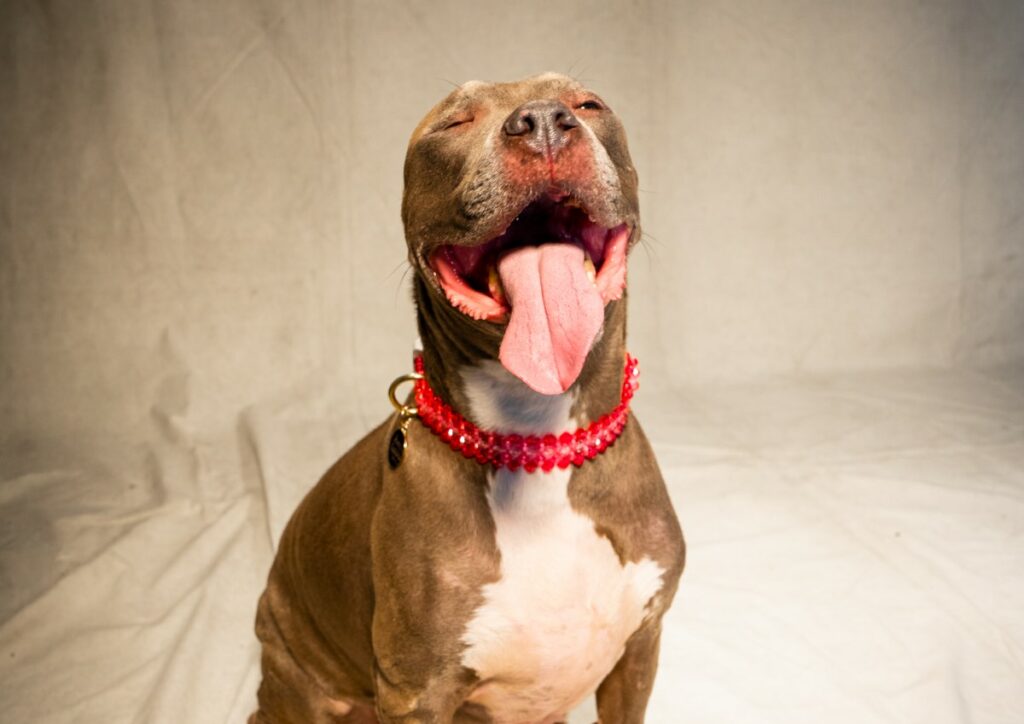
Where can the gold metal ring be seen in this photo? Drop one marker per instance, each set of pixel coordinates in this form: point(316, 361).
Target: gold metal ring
point(403, 410)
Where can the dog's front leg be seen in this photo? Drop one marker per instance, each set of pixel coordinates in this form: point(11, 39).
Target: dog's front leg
point(622, 696)
point(431, 558)
point(401, 700)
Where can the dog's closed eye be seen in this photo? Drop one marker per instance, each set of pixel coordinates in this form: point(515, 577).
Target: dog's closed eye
point(454, 122)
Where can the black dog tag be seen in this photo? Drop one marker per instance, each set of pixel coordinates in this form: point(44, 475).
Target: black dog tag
point(396, 447)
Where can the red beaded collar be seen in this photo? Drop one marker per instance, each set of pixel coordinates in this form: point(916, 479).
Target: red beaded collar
point(516, 451)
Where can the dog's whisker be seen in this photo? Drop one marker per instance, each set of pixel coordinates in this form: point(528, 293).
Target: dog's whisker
point(404, 264)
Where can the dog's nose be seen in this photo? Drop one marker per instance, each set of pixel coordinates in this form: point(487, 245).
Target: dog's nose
point(542, 125)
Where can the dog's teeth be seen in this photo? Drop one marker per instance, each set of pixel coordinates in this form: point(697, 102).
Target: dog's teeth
point(588, 265)
point(494, 284)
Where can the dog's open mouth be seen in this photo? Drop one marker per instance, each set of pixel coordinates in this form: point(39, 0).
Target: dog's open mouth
point(471, 275)
point(549, 274)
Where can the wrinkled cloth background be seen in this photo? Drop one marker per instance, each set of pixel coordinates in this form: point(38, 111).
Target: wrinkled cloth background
point(203, 297)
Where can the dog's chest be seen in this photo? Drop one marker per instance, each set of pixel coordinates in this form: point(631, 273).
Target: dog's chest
point(557, 620)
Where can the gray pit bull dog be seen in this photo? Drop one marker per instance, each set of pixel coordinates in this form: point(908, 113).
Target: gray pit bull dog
point(491, 586)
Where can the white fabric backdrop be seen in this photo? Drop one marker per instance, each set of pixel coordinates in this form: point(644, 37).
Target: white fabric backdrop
point(202, 300)
point(201, 200)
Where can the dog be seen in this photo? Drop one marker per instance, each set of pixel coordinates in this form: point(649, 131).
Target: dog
point(503, 546)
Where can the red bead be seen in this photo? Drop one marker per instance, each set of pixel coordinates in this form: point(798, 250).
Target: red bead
point(600, 436)
point(500, 455)
point(565, 450)
point(531, 453)
point(548, 452)
point(483, 445)
point(496, 451)
point(579, 453)
point(513, 448)
point(465, 438)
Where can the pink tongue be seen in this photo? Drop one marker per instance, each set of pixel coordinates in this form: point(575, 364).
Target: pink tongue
point(556, 313)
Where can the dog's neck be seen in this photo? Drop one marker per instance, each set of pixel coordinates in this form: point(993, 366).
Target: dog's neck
point(455, 345)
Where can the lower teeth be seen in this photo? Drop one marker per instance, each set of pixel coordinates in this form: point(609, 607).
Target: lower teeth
point(494, 284)
point(588, 265)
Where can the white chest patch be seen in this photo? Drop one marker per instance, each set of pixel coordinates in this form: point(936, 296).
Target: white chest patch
point(556, 622)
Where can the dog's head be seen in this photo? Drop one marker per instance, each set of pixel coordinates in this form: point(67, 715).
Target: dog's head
point(520, 207)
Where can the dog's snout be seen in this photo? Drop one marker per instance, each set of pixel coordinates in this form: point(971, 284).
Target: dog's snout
point(544, 126)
